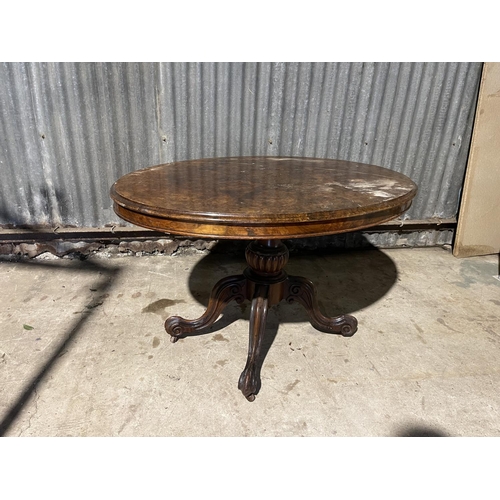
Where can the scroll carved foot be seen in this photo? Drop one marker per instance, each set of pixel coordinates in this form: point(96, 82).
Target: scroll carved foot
point(226, 290)
point(303, 291)
point(249, 382)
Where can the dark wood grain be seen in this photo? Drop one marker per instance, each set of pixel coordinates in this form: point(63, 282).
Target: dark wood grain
point(261, 197)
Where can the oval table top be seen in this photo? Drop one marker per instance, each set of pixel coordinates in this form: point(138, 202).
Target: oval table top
point(261, 197)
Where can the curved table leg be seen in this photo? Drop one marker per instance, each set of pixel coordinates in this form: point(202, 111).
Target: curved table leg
point(225, 290)
point(249, 382)
point(302, 290)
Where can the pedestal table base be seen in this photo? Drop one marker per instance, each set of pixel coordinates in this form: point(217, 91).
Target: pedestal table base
point(264, 283)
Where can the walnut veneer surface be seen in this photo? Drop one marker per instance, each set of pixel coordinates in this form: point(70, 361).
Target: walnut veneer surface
point(261, 197)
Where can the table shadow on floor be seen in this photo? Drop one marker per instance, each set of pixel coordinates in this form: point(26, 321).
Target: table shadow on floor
point(346, 281)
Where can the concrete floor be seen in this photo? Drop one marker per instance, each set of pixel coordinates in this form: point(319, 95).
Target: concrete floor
point(83, 351)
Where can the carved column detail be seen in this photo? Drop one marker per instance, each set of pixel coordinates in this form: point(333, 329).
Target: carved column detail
point(267, 259)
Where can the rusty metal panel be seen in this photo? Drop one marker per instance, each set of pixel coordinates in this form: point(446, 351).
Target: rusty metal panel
point(68, 130)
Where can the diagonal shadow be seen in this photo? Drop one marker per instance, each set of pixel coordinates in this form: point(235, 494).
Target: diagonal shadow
point(103, 285)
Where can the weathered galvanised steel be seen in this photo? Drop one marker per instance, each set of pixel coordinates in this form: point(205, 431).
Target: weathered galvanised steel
point(263, 199)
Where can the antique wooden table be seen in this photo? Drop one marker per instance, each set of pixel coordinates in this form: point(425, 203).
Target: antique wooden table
point(263, 199)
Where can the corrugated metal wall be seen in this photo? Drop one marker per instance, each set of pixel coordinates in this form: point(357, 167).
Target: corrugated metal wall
point(69, 130)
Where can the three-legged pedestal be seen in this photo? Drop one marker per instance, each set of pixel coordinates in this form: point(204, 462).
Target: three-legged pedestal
point(265, 283)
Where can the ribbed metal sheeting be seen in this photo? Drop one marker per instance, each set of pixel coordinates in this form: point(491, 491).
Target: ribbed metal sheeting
point(69, 130)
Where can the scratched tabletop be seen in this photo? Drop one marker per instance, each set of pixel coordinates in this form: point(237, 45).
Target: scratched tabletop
point(261, 197)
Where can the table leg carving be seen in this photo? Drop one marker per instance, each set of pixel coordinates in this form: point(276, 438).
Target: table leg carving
point(225, 290)
point(249, 382)
point(265, 283)
point(302, 290)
